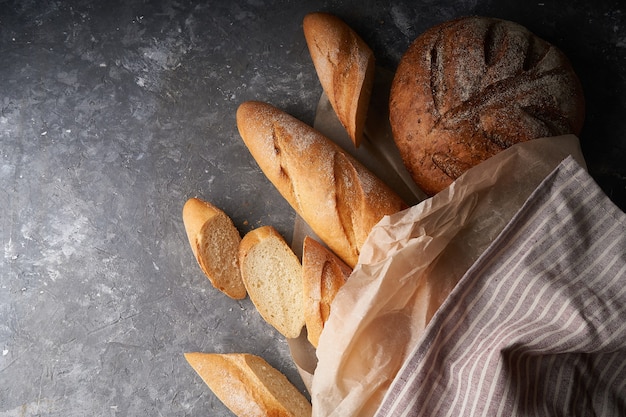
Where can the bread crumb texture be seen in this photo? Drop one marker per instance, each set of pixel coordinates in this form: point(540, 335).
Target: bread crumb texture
point(218, 244)
point(272, 274)
point(214, 240)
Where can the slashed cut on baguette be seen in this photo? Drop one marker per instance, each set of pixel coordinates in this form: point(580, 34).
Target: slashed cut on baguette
point(323, 274)
point(335, 195)
point(248, 385)
point(345, 66)
point(214, 240)
point(272, 275)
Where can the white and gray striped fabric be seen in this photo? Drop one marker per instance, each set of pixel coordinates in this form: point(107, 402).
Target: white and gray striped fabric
point(537, 326)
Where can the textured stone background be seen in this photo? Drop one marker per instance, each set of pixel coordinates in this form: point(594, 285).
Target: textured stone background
point(112, 114)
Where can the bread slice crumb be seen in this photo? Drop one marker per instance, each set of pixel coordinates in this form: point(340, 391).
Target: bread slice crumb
point(272, 275)
point(214, 240)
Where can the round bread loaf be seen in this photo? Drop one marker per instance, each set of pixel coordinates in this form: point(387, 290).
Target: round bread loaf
point(469, 88)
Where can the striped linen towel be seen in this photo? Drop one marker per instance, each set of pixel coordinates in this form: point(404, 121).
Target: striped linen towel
point(537, 325)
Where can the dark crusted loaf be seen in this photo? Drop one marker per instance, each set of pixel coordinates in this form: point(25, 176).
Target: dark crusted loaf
point(469, 88)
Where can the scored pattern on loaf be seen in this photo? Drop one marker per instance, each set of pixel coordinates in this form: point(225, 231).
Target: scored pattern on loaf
point(335, 195)
point(348, 191)
point(451, 111)
point(469, 88)
point(348, 187)
point(281, 141)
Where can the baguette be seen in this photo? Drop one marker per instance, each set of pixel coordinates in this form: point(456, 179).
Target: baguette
point(214, 241)
point(333, 193)
point(248, 385)
point(272, 275)
point(323, 274)
point(345, 66)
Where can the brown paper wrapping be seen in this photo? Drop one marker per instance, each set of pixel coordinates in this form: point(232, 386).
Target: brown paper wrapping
point(409, 264)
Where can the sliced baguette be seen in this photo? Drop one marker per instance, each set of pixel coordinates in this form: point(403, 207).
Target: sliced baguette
point(272, 275)
point(335, 195)
point(345, 66)
point(214, 241)
point(248, 385)
point(323, 274)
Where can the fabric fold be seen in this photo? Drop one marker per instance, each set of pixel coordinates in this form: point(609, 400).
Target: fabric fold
point(537, 324)
point(409, 264)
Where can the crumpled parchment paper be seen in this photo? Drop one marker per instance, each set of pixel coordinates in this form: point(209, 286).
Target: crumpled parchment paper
point(409, 264)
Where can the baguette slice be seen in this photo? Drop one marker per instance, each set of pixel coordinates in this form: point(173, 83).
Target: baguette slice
point(214, 240)
point(323, 274)
point(248, 385)
point(272, 275)
point(335, 195)
point(345, 66)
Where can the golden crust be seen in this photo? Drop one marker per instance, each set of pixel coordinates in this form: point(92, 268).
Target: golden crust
point(248, 385)
point(345, 66)
point(335, 195)
point(323, 274)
